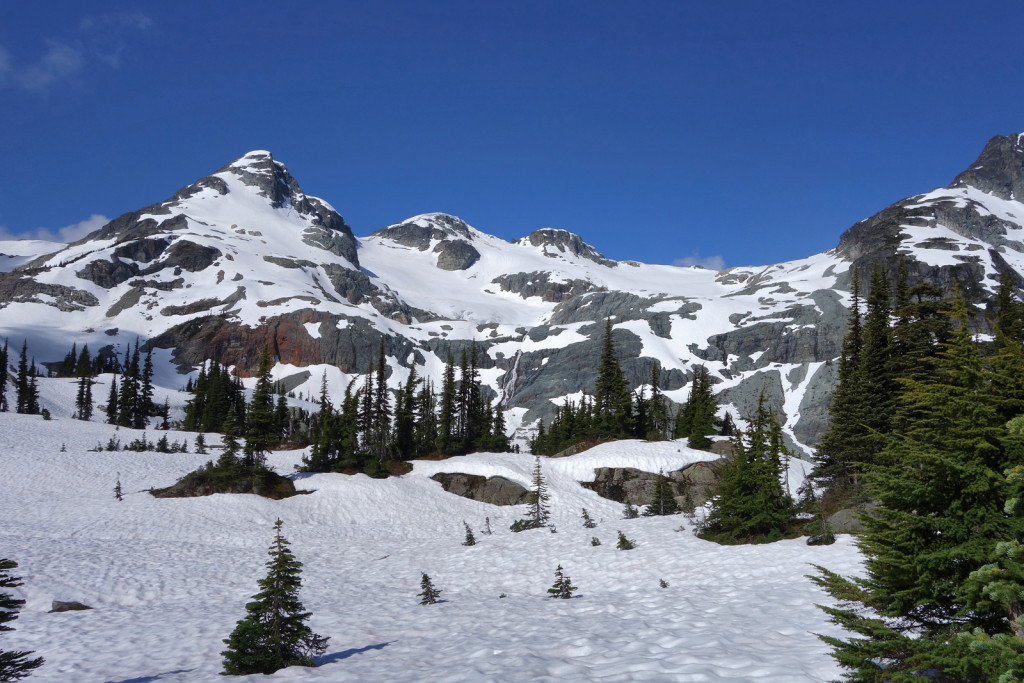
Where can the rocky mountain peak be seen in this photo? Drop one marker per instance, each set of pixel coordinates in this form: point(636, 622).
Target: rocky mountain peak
point(449, 236)
point(259, 169)
point(563, 241)
point(999, 169)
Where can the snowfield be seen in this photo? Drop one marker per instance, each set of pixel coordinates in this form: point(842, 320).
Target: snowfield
point(168, 579)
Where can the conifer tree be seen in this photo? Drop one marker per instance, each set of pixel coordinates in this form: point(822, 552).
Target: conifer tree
point(750, 503)
point(261, 426)
point(562, 588)
point(446, 421)
point(588, 522)
point(429, 595)
point(538, 500)
point(83, 366)
point(67, 366)
point(83, 398)
point(14, 664)
point(657, 412)
point(612, 403)
point(696, 419)
point(23, 382)
point(941, 495)
point(662, 500)
point(3, 378)
point(145, 391)
point(470, 538)
point(112, 400)
point(274, 633)
point(624, 543)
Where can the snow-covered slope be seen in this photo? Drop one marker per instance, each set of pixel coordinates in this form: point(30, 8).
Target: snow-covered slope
point(243, 257)
point(168, 578)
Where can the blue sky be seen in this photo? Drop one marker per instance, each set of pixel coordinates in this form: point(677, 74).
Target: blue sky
point(720, 132)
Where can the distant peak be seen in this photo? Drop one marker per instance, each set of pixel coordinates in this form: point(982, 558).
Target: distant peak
point(565, 241)
point(999, 170)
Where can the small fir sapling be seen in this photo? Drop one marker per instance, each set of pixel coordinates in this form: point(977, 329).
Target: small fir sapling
point(201, 444)
point(595, 541)
point(429, 595)
point(274, 634)
point(487, 526)
point(470, 539)
point(63, 448)
point(624, 543)
point(663, 583)
point(588, 522)
point(562, 588)
point(630, 511)
point(117, 488)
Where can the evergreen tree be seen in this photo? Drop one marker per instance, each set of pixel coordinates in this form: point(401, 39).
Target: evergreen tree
point(624, 543)
point(83, 399)
point(145, 392)
point(274, 633)
point(750, 503)
point(23, 382)
point(14, 664)
point(67, 366)
point(612, 403)
point(428, 595)
point(83, 366)
point(3, 378)
point(696, 419)
point(941, 495)
point(562, 588)
point(446, 421)
point(112, 400)
point(657, 412)
point(538, 500)
point(662, 500)
point(588, 522)
point(261, 427)
point(470, 538)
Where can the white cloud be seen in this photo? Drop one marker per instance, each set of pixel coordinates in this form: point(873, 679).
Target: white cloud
point(69, 233)
point(96, 41)
point(715, 262)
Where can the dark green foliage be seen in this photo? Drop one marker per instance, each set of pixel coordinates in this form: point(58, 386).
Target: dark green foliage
point(630, 511)
point(429, 595)
point(662, 500)
point(261, 425)
point(940, 545)
point(588, 523)
point(200, 444)
point(112, 398)
point(595, 541)
point(662, 583)
point(562, 588)
point(83, 398)
point(274, 633)
point(695, 421)
point(14, 664)
point(215, 394)
point(3, 378)
point(118, 494)
point(624, 543)
point(538, 500)
point(750, 504)
point(470, 538)
point(26, 394)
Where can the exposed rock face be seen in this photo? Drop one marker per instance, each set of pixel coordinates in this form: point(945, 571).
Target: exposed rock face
point(691, 486)
point(266, 483)
point(539, 283)
point(493, 490)
point(456, 255)
point(18, 287)
point(555, 242)
point(999, 170)
point(67, 606)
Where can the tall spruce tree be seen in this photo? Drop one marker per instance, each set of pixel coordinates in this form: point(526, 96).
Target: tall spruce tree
point(274, 633)
point(3, 378)
point(23, 382)
point(538, 500)
point(696, 419)
point(612, 401)
point(261, 427)
point(14, 664)
point(941, 491)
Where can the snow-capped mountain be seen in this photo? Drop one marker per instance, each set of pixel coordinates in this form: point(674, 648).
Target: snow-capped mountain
point(243, 257)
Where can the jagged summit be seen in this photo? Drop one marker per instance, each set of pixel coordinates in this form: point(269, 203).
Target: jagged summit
point(243, 257)
point(999, 169)
point(564, 241)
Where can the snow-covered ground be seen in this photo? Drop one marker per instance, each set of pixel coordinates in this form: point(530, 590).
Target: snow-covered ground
point(168, 579)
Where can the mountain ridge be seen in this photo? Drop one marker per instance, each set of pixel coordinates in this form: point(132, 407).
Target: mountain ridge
point(243, 257)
